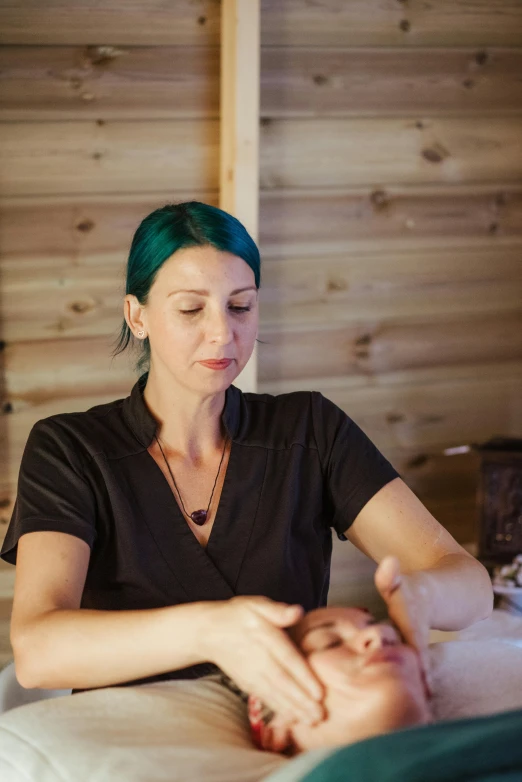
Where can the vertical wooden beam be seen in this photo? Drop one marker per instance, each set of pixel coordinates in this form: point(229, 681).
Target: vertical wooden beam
point(239, 156)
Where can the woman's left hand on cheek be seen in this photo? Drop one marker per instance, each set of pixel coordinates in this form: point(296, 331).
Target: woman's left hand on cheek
point(408, 608)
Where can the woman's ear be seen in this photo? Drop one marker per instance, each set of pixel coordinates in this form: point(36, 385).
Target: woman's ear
point(133, 313)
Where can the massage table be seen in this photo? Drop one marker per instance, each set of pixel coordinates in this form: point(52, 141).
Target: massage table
point(178, 731)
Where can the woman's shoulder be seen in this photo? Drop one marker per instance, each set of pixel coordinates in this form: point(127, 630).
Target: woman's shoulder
point(291, 403)
point(99, 429)
point(281, 420)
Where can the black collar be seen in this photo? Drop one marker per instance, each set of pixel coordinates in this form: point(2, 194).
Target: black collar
point(144, 425)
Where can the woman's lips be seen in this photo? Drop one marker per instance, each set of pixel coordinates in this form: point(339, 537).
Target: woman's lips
point(217, 364)
point(388, 654)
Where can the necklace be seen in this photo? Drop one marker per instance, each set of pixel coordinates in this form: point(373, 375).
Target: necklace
point(199, 517)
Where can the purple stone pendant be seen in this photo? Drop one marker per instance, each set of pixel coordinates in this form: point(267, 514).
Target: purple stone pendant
point(199, 517)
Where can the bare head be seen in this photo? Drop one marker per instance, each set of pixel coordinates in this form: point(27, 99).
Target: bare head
point(372, 680)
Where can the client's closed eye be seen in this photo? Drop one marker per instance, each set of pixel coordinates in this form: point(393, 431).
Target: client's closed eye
point(319, 639)
point(332, 644)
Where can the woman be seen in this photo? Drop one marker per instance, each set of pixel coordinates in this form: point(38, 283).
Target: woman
point(180, 529)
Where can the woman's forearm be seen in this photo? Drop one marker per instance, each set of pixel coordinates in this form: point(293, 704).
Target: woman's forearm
point(457, 591)
point(84, 648)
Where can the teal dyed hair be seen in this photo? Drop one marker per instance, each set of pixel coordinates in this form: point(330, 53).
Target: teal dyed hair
point(168, 229)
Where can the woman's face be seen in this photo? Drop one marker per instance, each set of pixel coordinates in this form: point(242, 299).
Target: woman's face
point(372, 680)
point(203, 305)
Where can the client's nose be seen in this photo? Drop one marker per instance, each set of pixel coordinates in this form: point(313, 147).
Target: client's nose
point(374, 637)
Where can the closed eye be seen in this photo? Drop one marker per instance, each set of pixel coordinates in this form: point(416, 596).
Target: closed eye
point(333, 644)
point(234, 309)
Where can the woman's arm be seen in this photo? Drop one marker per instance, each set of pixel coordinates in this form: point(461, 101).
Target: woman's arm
point(58, 645)
point(453, 586)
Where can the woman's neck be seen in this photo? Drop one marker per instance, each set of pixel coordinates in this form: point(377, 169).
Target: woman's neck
point(189, 424)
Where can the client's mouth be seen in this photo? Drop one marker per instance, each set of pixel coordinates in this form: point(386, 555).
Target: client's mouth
point(386, 654)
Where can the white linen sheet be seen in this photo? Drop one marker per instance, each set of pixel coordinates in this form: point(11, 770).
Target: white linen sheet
point(197, 731)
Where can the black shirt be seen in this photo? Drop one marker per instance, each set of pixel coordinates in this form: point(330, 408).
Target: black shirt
point(298, 466)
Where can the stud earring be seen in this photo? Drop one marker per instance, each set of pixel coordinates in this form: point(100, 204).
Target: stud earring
point(141, 333)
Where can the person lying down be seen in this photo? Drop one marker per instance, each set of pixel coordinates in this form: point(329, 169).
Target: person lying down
point(373, 683)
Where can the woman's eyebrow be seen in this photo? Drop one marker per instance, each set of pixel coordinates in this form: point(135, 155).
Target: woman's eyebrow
point(207, 293)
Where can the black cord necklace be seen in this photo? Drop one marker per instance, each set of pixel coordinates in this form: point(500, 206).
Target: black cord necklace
point(199, 517)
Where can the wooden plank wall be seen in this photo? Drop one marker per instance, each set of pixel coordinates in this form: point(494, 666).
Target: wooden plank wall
point(391, 231)
point(107, 110)
point(390, 221)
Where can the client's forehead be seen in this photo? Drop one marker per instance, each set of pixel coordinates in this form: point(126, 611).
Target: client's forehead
point(332, 616)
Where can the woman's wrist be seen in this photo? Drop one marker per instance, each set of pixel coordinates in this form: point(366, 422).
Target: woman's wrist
point(190, 631)
point(207, 620)
point(421, 584)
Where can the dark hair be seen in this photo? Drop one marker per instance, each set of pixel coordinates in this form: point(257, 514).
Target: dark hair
point(170, 228)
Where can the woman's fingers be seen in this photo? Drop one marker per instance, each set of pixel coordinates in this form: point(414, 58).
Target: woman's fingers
point(278, 614)
point(247, 641)
point(307, 689)
point(292, 700)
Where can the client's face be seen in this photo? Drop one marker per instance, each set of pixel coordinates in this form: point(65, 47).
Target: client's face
point(372, 680)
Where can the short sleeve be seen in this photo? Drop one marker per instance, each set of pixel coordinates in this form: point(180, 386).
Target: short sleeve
point(354, 468)
point(52, 492)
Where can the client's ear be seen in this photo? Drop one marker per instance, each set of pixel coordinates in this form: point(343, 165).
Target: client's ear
point(270, 731)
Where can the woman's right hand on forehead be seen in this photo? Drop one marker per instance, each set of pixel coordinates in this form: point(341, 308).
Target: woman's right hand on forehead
point(246, 639)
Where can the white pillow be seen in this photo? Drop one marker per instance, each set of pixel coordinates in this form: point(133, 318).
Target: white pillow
point(471, 678)
point(198, 730)
point(162, 732)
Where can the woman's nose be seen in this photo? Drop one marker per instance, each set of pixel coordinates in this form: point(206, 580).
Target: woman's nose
point(220, 329)
point(374, 637)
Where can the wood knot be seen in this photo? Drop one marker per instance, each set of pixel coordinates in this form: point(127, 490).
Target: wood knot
point(85, 225)
point(100, 122)
point(97, 155)
point(481, 58)
point(338, 284)
point(202, 20)
point(500, 200)
point(81, 307)
point(394, 418)
point(431, 419)
point(405, 25)
point(468, 83)
point(380, 200)
point(364, 339)
point(419, 124)
point(435, 154)
point(493, 228)
point(102, 55)
point(320, 79)
point(265, 121)
point(362, 346)
point(417, 461)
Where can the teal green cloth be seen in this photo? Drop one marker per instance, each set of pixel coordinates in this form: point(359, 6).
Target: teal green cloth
point(482, 749)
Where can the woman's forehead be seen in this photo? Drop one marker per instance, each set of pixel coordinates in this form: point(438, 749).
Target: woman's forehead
point(204, 267)
point(332, 616)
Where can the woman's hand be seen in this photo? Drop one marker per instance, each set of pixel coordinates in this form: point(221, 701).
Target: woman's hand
point(408, 608)
point(246, 640)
